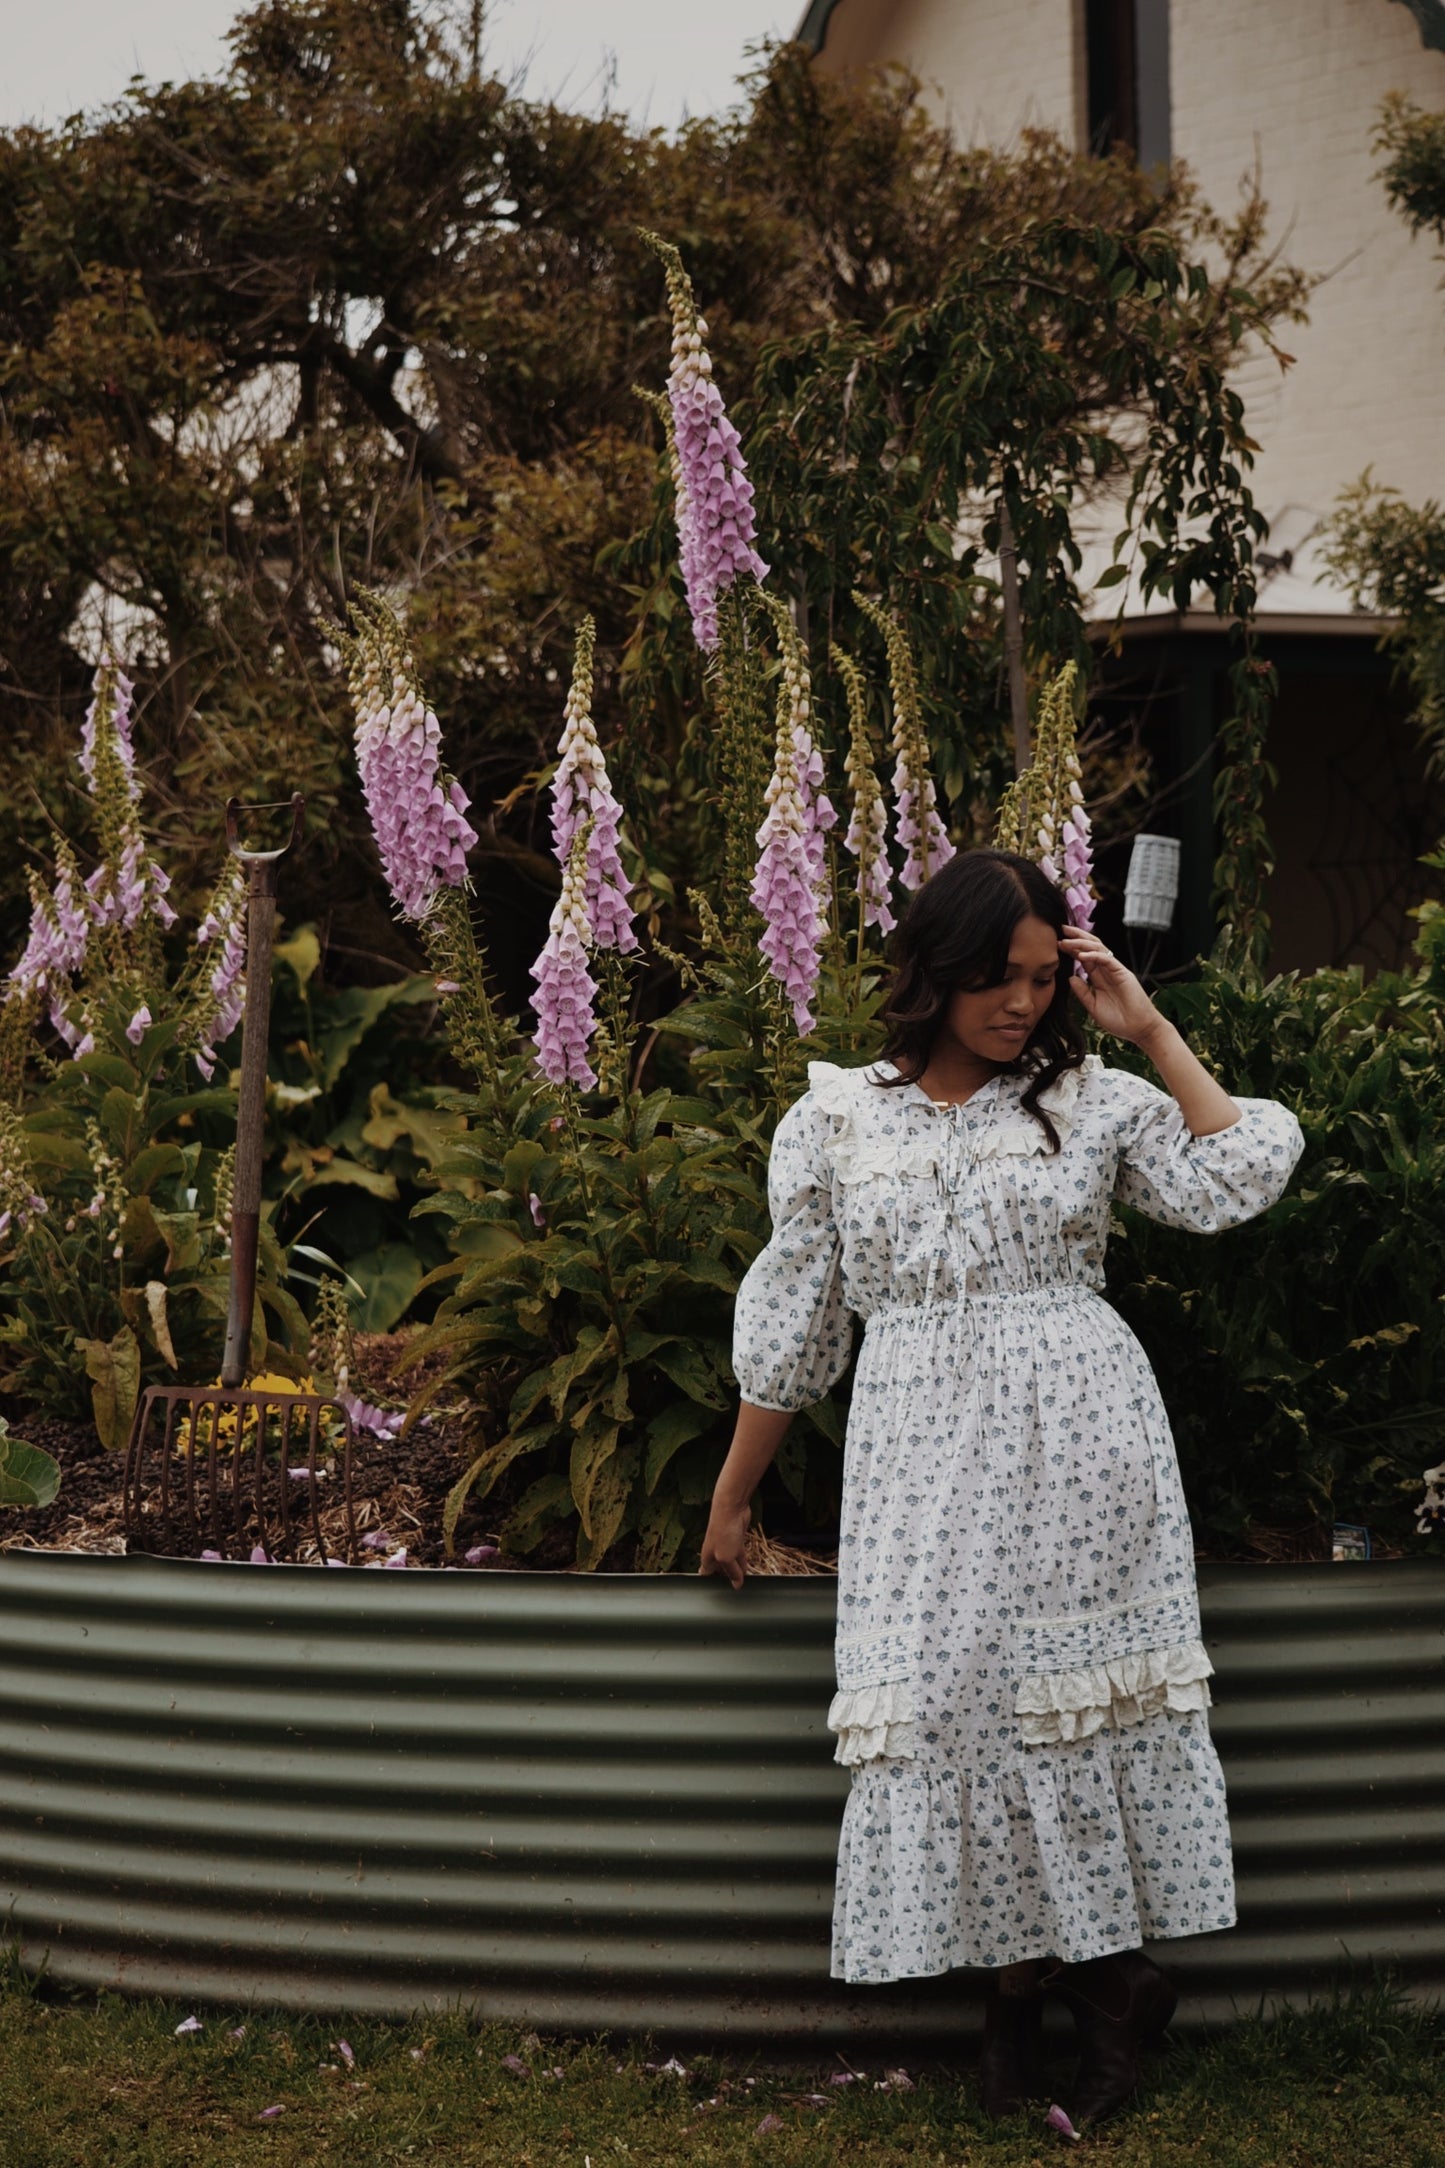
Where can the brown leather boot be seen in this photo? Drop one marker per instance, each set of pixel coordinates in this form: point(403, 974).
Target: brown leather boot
point(1118, 2003)
point(1011, 2066)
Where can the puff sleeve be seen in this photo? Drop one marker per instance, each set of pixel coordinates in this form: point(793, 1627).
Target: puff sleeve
point(792, 1335)
point(1200, 1183)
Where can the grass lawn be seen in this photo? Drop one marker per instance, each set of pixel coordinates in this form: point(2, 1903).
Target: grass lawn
point(85, 2083)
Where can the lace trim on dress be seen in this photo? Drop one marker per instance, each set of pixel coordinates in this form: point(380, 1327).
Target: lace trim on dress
point(1125, 1690)
point(873, 1723)
point(857, 1157)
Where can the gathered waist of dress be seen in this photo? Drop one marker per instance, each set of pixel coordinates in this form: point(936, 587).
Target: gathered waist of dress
point(1051, 1292)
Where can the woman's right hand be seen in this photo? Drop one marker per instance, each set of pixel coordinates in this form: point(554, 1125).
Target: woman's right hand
point(724, 1547)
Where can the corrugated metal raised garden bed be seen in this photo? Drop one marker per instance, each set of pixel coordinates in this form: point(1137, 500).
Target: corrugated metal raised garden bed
point(609, 1801)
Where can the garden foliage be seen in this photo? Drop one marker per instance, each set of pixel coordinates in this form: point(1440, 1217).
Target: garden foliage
point(1302, 1357)
point(605, 1200)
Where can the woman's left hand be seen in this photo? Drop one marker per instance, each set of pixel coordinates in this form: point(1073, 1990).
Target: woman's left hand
point(1109, 991)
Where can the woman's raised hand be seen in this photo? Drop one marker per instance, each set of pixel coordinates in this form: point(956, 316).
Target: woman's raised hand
point(1109, 990)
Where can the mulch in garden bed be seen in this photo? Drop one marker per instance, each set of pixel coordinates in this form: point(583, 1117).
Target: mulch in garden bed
point(399, 1486)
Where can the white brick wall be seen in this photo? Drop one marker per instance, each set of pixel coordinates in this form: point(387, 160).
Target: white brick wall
point(1294, 86)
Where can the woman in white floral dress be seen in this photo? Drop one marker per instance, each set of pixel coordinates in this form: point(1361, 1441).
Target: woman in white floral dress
point(1022, 1687)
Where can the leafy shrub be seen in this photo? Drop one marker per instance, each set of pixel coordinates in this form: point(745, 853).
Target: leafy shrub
point(1302, 1357)
point(115, 1169)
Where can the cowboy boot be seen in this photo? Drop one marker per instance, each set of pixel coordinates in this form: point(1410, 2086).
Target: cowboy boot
point(1118, 2003)
point(1011, 2065)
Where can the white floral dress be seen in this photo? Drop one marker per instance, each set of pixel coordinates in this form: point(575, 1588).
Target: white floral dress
point(1021, 1680)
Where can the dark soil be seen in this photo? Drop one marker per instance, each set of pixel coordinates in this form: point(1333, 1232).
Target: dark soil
point(399, 1486)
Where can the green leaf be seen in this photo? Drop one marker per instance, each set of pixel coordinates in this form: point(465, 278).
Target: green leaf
point(181, 1234)
point(592, 1449)
point(690, 1371)
point(351, 1014)
point(390, 1275)
point(301, 956)
point(1113, 576)
point(151, 1165)
point(28, 1477)
point(351, 1174)
point(113, 1367)
point(673, 1428)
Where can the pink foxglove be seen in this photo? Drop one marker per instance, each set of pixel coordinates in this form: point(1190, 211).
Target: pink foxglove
point(417, 810)
point(715, 525)
point(918, 829)
point(582, 797)
point(127, 883)
point(867, 836)
point(223, 995)
point(789, 884)
point(566, 989)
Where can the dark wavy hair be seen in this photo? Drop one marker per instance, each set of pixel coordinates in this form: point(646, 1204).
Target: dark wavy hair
point(955, 934)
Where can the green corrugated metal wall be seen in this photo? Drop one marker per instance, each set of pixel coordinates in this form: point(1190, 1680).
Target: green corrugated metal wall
point(582, 1802)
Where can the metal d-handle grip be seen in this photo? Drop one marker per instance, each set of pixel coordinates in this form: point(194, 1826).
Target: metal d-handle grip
point(251, 1107)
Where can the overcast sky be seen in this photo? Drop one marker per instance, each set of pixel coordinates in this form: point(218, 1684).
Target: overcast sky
point(670, 56)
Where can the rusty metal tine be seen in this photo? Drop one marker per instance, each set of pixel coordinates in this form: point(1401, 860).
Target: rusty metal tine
point(350, 1497)
point(193, 1518)
point(165, 1531)
point(238, 1519)
point(168, 1446)
point(130, 1493)
point(213, 1481)
point(260, 1412)
point(313, 1433)
point(283, 1472)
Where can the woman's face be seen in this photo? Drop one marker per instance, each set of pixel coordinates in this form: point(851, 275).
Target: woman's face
point(995, 1023)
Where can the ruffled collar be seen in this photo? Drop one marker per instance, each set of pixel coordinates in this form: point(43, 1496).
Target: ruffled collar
point(1007, 1131)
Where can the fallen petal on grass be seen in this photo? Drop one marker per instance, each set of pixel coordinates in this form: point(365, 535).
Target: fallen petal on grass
point(1057, 2120)
point(269, 2115)
point(515, 2064)
point(188, 2025)
point(343, 2049)
point(769, 2123)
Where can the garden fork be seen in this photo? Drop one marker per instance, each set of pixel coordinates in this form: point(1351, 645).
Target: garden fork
point(231, 1416)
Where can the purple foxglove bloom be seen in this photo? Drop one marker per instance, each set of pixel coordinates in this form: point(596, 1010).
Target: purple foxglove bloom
point(365, 1417)
point(715, 525)
point(819, 813)
point(136, 1029)
point(418, 812)
point(109, 715)
point(582, 793)
point(867, 836)
point(225, 998)
point(1078, 879)
point(566, 989)
point(917, 829)
point(785, 890)
point(867, 839)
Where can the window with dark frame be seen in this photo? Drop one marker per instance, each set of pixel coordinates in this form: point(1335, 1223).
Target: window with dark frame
point(1126, 49)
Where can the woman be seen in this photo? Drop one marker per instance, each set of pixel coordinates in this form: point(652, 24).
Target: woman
point(1021, 1680)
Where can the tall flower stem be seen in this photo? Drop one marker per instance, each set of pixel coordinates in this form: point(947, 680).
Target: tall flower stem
point(918, 828)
